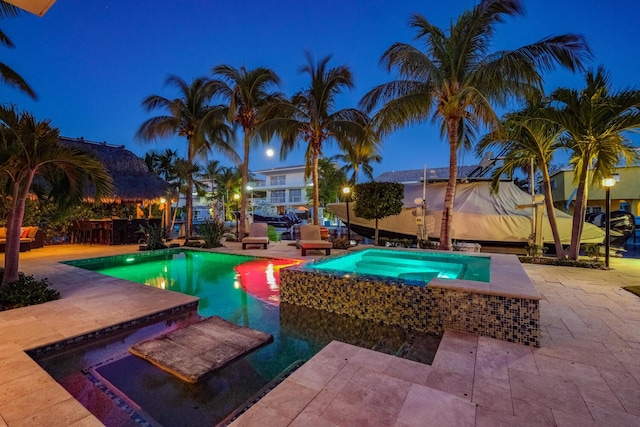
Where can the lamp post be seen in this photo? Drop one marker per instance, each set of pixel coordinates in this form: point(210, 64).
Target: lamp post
point(163, 203)
point(608, 183)
point(346, 191)
point(236, 197)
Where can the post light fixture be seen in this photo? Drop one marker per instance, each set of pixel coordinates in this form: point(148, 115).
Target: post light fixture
point(608, 183)
point(347, 191)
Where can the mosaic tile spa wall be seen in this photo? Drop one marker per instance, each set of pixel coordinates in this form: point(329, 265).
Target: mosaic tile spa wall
point(421, 308)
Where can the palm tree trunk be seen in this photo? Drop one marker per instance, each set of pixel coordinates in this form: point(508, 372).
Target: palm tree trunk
point(245, 181)
point(316, 189)
point(189, 202)
point(189, 194)
point(450, 194)
point(16, 215)
point(551, 213)
point(578, 212)
point(375, 234)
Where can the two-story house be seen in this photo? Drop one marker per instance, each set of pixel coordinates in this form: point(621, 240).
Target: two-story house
point(284, 189)
point(625, 194)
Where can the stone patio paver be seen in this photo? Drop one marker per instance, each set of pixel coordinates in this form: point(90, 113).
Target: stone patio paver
point(587, 371)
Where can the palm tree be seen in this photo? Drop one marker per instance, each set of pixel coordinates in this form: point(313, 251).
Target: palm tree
point(31, 149)
point(359, 159)
point(595, 120)
point(525, 140)
point(248, 92)
point(7, 74)
point(189, 116)
point(230, 182)
point(456, 79)
point(209, 173)
point(310, 116)
point(162, 164)
point(331, 180)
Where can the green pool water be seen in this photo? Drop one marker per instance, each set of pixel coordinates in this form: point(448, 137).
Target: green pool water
point(298, 334)
point(409, 265)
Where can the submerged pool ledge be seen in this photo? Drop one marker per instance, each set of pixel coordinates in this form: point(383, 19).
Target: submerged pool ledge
point(507, 307)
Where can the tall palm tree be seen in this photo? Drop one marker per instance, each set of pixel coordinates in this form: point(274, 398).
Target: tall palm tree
point(248, 92)
point(192, 117)
point(456, 79)
point(31, 149)
point(526, 139)
point(310, 116)
point(595, 120)
point(7, 75)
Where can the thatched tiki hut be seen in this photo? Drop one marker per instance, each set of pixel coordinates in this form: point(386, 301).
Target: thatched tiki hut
point(135, 187)
point(133, 181)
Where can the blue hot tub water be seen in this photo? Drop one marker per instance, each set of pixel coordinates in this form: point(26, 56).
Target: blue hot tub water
point(407, 265)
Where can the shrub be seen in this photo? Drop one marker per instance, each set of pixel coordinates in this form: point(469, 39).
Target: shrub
point(26, 291)
point(153, 237)
point(212, 233)
point(427, 244)
point(592, 250)
point(562, 262)
point(341, 243)
point(535, 251)
point(396, 243)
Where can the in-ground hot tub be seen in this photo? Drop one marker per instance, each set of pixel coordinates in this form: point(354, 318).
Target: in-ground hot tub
point(429, 291)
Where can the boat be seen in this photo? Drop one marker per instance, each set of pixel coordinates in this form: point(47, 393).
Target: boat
point(622, 227)
point(287, 220)
point(501, 218)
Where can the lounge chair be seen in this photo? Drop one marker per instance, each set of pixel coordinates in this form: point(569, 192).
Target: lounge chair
point(257, 235)
point(310, 239)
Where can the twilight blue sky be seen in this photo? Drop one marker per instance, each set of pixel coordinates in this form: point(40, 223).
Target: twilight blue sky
point(92, 62)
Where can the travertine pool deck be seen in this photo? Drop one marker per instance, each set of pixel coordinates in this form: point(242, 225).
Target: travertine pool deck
point(587, 371)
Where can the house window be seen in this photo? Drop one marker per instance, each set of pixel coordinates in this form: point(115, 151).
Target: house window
point(277, 180)
point(295, 196)
point(277, 196)
point(593, 209)
point(553, 184)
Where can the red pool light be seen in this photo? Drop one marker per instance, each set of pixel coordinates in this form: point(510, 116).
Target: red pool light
point(261, 277)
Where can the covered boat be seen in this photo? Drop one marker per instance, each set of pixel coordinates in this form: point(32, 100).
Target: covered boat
point(480, 215)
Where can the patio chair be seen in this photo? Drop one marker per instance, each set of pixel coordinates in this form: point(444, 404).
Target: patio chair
point(257, 235)
point(310, 238)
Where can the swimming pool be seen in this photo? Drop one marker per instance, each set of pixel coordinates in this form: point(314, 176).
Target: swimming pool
point(419, 266)
point(230, 292)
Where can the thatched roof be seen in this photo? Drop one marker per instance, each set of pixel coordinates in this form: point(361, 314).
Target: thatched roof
point(132, 179)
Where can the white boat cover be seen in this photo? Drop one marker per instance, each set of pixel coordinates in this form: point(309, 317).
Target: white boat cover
point(479, 215)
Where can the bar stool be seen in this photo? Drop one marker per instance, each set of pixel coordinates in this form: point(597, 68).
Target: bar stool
point(108, 232)
point(97, 232)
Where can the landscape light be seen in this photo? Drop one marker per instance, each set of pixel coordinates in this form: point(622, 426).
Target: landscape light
point(608, 183)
